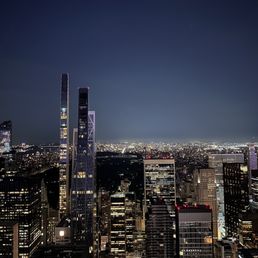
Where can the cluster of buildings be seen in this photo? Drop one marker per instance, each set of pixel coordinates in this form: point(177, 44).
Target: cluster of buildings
point(213, 213)
point(73, 223)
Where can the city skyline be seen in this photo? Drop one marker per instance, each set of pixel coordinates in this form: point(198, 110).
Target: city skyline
point(172, 70)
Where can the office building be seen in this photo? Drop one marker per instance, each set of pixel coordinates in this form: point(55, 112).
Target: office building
point(194, 231)
point(118, 234)
point(83, 176)
point(254, 189)
point(9, 244)
point(235, 178)
point(159, 184)
point(205, 192)
point(64, 147)
point(248, 228)
point(216, 161)
point(5, 136)
point(159, 230)
point(104, 227)
point(20, 198)
point(252, 157)
point(159, 181)
point(122, 224)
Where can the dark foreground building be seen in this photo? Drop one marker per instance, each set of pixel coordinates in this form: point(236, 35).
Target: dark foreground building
point(236, 198)
point(159, 231)
point(20, 209)
point(194, 231)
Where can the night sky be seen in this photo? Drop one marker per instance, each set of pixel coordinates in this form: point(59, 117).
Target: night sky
point(172, 70)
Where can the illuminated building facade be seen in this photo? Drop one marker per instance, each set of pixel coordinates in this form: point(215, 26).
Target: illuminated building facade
point(236, 192)
point(83, 176)
point(64, 147)
point(20, 203)
point(118, 236)
point(205, 192)
point(216, 161)
point(254, 189)
point(5, 136)
point(9, 239)
point(159, 181)
point(159, 184)
point(194, 231)
point(122, 224)
point(104, 228)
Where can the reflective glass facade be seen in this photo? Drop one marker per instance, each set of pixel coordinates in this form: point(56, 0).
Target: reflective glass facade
point(83, 176)
point(216, 161)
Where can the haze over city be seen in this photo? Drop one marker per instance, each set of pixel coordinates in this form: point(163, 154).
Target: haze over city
point(156, 69)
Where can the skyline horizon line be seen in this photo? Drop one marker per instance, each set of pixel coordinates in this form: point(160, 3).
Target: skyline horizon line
point(157, 141)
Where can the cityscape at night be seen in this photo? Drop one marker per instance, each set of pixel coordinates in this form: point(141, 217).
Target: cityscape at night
point(128, 129)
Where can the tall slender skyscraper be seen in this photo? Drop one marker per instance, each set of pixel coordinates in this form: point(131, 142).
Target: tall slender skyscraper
point(83, 176)
point(64, 147)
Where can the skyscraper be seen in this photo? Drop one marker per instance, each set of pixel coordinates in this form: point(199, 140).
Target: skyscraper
point(83, 176)
point(194, 231)
point(254, 189)
point(205, 192)
point(122, 224)
point(159, 231)
point(236, 193)
point(64, 147)
point(252, 157)
point(159, 186)
point(216, 161)
point(5, 136)
point(159, 181)
point(20, 198)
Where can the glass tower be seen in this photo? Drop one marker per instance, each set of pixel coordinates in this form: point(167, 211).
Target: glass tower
point(216, 161)
point(64, 147)
point(83, 176)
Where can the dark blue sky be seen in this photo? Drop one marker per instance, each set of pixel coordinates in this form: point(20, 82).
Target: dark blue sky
point(156, 69)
